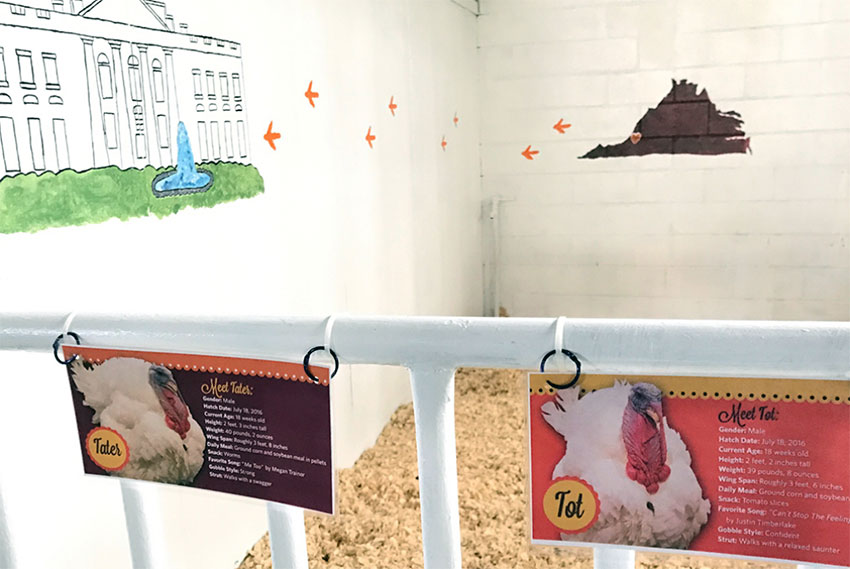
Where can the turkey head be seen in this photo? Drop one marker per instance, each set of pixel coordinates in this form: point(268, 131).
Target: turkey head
point(643, 435)
point(175, 409)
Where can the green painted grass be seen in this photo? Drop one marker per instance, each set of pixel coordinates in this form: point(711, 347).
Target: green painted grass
point(31, 202)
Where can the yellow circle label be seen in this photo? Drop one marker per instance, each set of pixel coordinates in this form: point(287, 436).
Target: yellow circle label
point(571, 504)
point(107, 448)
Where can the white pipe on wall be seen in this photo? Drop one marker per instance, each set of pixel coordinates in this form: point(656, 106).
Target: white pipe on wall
point(432, 348)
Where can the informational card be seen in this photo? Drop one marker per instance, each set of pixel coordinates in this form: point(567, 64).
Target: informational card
point(735, 466)
point(249, 427)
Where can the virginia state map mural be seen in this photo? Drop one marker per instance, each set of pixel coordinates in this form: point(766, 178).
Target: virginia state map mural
point(105, 105)
point(684, 122)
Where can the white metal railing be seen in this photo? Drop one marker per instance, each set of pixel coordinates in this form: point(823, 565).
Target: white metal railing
point(432, 348)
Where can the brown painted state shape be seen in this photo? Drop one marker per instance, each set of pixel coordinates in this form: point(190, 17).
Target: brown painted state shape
point(684, 122)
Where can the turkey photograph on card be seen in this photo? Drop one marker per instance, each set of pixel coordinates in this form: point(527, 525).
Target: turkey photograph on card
point(732, 466)
point(250, 427)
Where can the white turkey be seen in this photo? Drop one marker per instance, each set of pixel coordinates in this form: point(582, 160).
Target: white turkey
point(142, 402)
point(618, 440)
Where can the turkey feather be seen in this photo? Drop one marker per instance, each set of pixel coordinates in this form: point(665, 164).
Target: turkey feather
point(119, 392)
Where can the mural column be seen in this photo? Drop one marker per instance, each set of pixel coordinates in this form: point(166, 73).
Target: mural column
point(125, 136)
point(173, 109)
point(148, 102)
point(247, 159)
point(100, 157)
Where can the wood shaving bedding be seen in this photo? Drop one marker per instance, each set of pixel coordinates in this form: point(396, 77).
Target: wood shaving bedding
point(378, 523)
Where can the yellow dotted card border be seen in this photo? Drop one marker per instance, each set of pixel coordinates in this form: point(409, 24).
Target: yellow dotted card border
point(718, 388)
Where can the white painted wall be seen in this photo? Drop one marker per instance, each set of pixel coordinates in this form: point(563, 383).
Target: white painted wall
point(761, 236)
point(392, 230)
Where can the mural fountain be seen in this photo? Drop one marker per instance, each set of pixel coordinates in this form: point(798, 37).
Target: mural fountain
point(186, 179)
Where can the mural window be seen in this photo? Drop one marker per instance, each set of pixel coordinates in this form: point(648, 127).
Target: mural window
point(4, 80)
point(215, 140)
point(51, 71)
point(237, 87)
point(104, 76)
point(25, 71)
point(135, 74)
point(211, 85)
point(60, 138)
point(18, 10)
point(110, 129)
point(196, 81)
point(202, 140)
point(199, 108)
point(141, 139)
point(9, 145)
point(158, 81)
point(36, 144)
point(139, 118)
point(240, 137)
point(162, 130)
point(5, 99)
point(228, 138)
point(141, 151)
point(225, 87)
point(30, 100)
point(55, 100)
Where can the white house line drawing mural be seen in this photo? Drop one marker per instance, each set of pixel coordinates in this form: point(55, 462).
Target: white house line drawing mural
point(92, 93)
point(122, 61)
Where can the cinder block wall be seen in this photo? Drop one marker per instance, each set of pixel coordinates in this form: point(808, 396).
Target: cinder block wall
point(751, 236)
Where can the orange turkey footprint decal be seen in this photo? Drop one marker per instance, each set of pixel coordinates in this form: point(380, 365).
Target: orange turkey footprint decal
point(561, 127)
point(310, 94)
point(529, 153)
point(270, 136)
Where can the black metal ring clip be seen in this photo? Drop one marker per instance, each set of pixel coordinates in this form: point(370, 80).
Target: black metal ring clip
point(570, 355)
point(307, 362)
point(58, 341)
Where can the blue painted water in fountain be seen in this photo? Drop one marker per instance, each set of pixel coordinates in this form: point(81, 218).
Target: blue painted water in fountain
point(186, 177)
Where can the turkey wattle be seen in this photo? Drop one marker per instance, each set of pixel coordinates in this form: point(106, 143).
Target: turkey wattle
point(172, 403)
point(142, 402)
point(618, 440)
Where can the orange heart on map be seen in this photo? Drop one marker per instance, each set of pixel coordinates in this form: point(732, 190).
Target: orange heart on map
point(635, 137)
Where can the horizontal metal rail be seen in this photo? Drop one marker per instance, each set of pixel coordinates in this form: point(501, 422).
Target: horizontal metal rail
point(432, 348)
point(774, 349)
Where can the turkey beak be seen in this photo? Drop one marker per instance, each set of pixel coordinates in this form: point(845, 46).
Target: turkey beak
point(655, 413)
point(157, 374)
point(171, 385)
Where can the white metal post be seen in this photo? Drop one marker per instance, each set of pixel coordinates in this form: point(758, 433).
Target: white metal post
point(613, 558)
point(287, 537)
point(141, 512)
point(7, 553)
point(434, 413)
